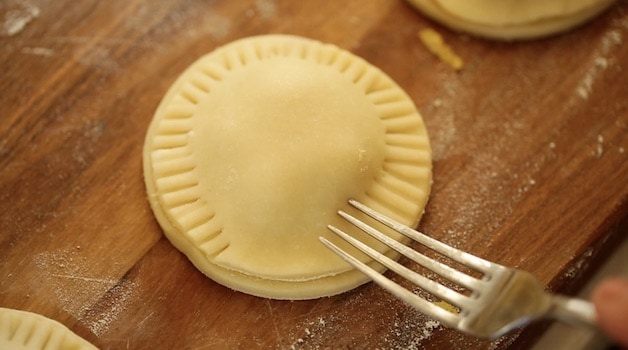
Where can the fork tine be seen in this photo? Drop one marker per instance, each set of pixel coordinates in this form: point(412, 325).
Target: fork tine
point(445, 317)
point(458, 255)
point(505, 298)
point(444, 270)
point(427, 284)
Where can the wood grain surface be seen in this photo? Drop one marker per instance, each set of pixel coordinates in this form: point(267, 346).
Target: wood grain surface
point(530, 166)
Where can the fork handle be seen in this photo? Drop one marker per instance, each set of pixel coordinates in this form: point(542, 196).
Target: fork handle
point(577, 312)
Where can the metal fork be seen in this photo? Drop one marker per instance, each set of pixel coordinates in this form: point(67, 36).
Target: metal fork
point(499, 301)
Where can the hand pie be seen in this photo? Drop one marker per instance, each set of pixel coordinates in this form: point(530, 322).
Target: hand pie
point(22, 330)
point(258, 144)
point(511, 19)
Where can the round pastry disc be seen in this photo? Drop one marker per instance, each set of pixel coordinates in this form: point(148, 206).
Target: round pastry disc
point(511, 19)
point(22, 330)
point(258, 144)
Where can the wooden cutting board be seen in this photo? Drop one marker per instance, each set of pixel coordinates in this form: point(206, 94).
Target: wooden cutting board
point(530, 166)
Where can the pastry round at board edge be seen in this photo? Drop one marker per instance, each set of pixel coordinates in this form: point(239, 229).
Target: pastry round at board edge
point(539, 28)
point(258, 144)
point(23, 330)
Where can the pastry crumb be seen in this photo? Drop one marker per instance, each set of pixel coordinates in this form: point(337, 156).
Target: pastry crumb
point(437, 46)
point(447, 306)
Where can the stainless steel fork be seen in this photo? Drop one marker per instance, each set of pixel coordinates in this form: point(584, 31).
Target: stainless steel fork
point(498, 301)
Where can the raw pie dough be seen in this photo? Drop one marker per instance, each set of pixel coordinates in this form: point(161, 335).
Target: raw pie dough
point(512, 19)
point(258, 144)
point(22, 330)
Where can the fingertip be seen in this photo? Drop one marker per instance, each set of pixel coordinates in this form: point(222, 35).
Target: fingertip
point(610, 290)
point(611, 302)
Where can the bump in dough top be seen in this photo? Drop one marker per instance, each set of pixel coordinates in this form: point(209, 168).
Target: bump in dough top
point(258, 144)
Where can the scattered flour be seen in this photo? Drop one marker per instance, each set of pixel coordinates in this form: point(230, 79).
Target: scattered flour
point(403, 327)
point(412, 333)
point(38, 51)
point(80, 293)
point(18, 14)
point(580, 265)
point(184, 21)
point(441, 123)
point(609, 42)
point(67, 273)
point(443, 136)
point(98, 57)
point(100, 319)
point(219, 27)
point(267, 9)
point(313, 331)
point(599, 147)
